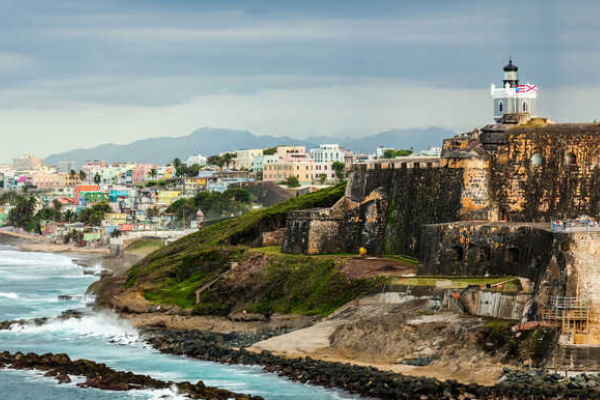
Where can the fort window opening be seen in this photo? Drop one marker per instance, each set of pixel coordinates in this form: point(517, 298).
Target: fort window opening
point(500, 107)
point(524, 105)
point(512, 255)
point(457, 253)
point(537, 160)
point(571, 159)
point(483, 254)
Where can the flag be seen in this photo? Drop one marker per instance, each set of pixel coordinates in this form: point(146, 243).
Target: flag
point(526, 88)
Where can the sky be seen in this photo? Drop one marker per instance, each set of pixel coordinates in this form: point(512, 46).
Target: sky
point(81, 73)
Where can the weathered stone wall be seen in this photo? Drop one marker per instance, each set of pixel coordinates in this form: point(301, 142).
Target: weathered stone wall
point(313, 231)
point(418, 197)
point(345, 227)
point(544, 173)
point(578, 253)
point(480, 249)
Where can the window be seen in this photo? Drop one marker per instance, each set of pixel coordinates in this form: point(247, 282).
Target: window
point(537, 160)
point(571, 160)
point(524, 105)
point(500, 107)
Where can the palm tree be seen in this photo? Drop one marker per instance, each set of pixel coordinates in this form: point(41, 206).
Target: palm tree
point(116, 233)
point(82, 175)
point(153, 173)
point(97, 178)
point(69, 216)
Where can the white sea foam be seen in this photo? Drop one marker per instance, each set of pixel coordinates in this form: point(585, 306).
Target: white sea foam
point(9, 295)
point(106, 325)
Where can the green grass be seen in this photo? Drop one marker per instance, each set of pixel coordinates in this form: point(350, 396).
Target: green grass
point(145, 243)
point(461, 281)
point(404, 259)
point(276, 251)
point(240, 230)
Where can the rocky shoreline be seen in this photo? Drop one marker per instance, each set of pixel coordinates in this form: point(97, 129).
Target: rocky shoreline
point(99, 376)
point(368, 381)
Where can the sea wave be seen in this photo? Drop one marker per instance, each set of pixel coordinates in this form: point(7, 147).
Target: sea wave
point(9, 295)
point(107, 325)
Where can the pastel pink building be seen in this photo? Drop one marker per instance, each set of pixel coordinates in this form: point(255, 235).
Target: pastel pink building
point(140, 173)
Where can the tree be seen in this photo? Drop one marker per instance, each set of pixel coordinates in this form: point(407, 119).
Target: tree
point(72, 173)
point(338, 167)
point(193, 170)
point(389, 153)
point(152, 213)
point(239, 195)
point(116, 233)
point(322, 179)
point(227, 157)
point(57, 210)
point(292, 182)
point(95, 214)
point(69, 216)
point(21, 215)
point(82, 175)
point(154, 173)
point(179, 168)
point(97, 178)
point(270, 151)
point(403, 153)
point(216, 160)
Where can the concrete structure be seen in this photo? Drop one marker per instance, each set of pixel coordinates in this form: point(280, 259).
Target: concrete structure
point(328, 153)
point(67, 166)
point(27, 163)
point(289, 151)
point(244, 158)
point(300, 166)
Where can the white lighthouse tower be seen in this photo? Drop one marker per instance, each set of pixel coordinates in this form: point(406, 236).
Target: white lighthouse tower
point(511, 97)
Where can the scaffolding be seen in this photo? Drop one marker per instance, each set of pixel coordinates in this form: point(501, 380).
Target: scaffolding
point(574, 315)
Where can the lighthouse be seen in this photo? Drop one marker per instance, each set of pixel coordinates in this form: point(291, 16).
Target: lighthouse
point(511, 97)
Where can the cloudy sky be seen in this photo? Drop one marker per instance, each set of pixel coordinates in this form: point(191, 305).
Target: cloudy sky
point(76, 73)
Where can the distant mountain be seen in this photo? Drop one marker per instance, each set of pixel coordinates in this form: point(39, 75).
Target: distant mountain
point(209, 141)
point(419, 138)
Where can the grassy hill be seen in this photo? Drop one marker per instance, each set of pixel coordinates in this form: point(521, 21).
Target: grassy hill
point(263, 283)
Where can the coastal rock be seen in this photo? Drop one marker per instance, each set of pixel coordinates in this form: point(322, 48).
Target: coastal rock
point(100, 376)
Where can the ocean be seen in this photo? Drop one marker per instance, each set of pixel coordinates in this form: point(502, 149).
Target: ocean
point(30, 286)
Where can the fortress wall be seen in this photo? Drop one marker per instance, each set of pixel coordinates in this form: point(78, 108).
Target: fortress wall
point(480, 249)
point(418, 197)
point(565, 185)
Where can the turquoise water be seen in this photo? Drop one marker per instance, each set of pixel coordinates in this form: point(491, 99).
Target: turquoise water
point(30, 284)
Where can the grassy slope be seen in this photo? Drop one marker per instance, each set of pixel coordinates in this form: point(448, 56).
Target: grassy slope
point(286, 284)
point(240, 230)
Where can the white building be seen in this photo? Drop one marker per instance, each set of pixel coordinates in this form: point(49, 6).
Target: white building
point(381, 150)
point(259, 161)
point(328, 153)
point(511, 97)
point(244, 158)
point(197, 159)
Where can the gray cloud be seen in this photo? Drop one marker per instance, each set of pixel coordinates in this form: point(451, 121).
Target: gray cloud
point(139, 68)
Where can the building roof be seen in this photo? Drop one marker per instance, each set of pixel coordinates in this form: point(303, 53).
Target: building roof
point(510, 66)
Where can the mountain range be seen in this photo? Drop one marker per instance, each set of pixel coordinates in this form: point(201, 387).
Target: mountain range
point(209, 141)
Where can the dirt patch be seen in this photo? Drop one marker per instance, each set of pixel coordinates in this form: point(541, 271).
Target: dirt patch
point(400, 338)
point(369, 267)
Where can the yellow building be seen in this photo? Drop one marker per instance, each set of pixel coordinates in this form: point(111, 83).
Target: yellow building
point(166, 197)
point(301, 168)
point(195, 184)
point(115, 219)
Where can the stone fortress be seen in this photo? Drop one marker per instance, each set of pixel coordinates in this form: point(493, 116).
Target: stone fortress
point(486, 207)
